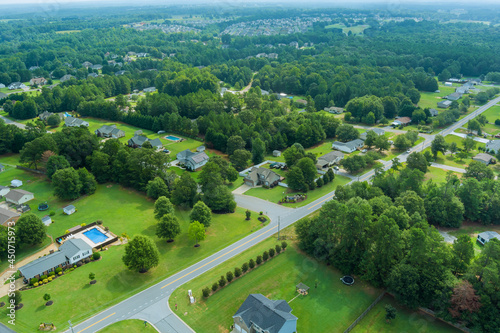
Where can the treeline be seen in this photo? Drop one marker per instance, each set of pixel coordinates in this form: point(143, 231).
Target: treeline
point(380, 232)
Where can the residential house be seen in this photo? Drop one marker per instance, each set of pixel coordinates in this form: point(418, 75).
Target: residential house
point(110, 132)
point(192, 161)
point(142, 55)
point(96, 67)
point(16, 85)
point(276, 153)
point(272, 55)
point(200, 149)
point(262, 315)
point(3, 95)
point(70, 252)
point(264, 92)
point(75, 122)
point(348, 147)
point(262, 176)
point(4, 190)
point(405, 121)
point(377, 131)
point(448, 84)
point(39, 81)
point(444, 104)
point(45, 115)
point(32, 68)
point(16, 183)
point(46, 220)
point(120, 73)
point(2, 85)
point(454, 97)
point(7, 217)
point(138, 140)
point(87, 64)
point(329, 159)
point(70, 209)
point(486, 236)
point(66, 77)
point(484, 158)
point(150, 89)
point(433, 112)
point(493, 146)
point(19, 197)
point(334, 110)
point(94, 75)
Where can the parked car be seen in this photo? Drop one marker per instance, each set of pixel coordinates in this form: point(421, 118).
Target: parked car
point(335, 168)
point(408, 151)
point(161, 132)
point(166, 151)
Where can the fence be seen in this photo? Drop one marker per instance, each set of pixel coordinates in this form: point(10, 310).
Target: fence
point(364, 313)
point(30, 170)
point(77, 230)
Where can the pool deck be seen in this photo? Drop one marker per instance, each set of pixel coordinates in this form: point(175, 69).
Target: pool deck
point(87, 240)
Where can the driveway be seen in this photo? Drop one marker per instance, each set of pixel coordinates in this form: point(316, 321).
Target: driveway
point(463, 135)
point(242, 189)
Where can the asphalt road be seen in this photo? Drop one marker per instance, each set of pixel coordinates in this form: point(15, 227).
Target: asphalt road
point(152, 304)
point(12, 122)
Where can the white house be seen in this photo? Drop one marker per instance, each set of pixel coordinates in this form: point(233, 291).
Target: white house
point(68, 210)
point(18, 197)
point(486, 236)
point(16, 183)
point(75, 250)
point(47, 220)
point(276, 153)
point(348, 147)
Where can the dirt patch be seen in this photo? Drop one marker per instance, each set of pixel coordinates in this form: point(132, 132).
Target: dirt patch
point(109, 186)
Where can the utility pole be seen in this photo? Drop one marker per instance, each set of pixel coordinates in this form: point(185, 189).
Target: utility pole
point(70, 326)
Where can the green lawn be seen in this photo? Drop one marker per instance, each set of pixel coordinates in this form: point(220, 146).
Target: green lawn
point(450, 160)
point(331, 307)
point(129, 326)
point(430, 99)
point(355, 30)
point(492, 114)
point(276, 194)
point(438, 175)
point(406, 321)
point(123, 211)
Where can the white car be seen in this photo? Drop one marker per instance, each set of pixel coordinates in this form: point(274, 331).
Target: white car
point(408, 151)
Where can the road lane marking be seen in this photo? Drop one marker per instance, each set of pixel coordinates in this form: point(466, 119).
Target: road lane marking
point(222, 255)
point(97, 322)
point(331, 196)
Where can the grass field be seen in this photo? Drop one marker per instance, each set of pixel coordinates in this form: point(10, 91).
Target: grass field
point(129, 326)
point(123, 211)
point(438, 175)
point(67, 31)
point(454, 161)
point(355, 30)
point(491, 115)
point(406, 321)
point(331, 307)
point(430, 99)
point(276, 194)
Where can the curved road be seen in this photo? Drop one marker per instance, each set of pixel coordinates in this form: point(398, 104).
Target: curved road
point(152, 303)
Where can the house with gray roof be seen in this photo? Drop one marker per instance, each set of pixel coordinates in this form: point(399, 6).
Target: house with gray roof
point(454, 97)
point(377, 131)
point(3, 95)
point(493, 146)
point(7, 216)
point(444, 104)
point(71, 252)
point(120, 73)
point(329, 159)
point(348, 147)
point(96, 66)
point(19, 197)
point(150, 89)
point(260, 314)
point(484, 158)
point(192, 161)
point(262, 176)
point(66, 77)
point(486, 236)
point(94, 75)
point(16, 85)
point(138, 140)
point(110, 131)
point(75, 122)
point(433, 112)
point(4, 190)
point(2, 85)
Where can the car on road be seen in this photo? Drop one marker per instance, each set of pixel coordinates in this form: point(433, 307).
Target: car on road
point(336, 168)
point(408, 151)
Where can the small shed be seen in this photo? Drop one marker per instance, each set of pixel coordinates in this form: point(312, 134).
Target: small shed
point(68, 210)
point(302, 289)
point(200, 149)
point(486, 236)
point(16, 183)
point(136, 133)
point(47, 220)
point(276, 153)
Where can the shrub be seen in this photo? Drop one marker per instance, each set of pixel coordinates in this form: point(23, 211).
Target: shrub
point(206, 292)
point(40, 282)
point(59, 273)
point(260, 213)
point(284, 245)
point(52, 213)
point(45, 281)
point(251, 263)
point(278, 248)
point(78, 264)
point(35, 284)
point(58, 270)
point(83, 224)
point(52, 273)
point(71, 269)
point(497, 122)
point(244, 267)
point(222, 281)
point(96, 256)
point(74, 266)
point(33, 281)
point(237, 272)
point(229, 276)
point(259, 260)
point(271, 252)
point(215, 286)
point(49, 278)
point(265, 256)
point(43, 277)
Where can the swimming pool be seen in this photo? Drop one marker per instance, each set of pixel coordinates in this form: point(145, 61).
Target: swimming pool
point(172, 138)
point(95, 235)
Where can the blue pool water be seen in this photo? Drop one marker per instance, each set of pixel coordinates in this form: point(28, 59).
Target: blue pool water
point(172, 138)
point(95, 235)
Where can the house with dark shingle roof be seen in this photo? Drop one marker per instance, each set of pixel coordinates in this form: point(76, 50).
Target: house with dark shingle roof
point(454, 97)
point(71, 252)
point(18, 197)
point(262, 176)
point(329, 159)
point(138, 140)
point(493, 146)
point(66, 78)
point(433, 112)
point(75, 122)
point(444, 104)
point(110, 131)
point(7, 216)
point(348, 147)
point(260, 314)
point(484, 158)
point(192, 161)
